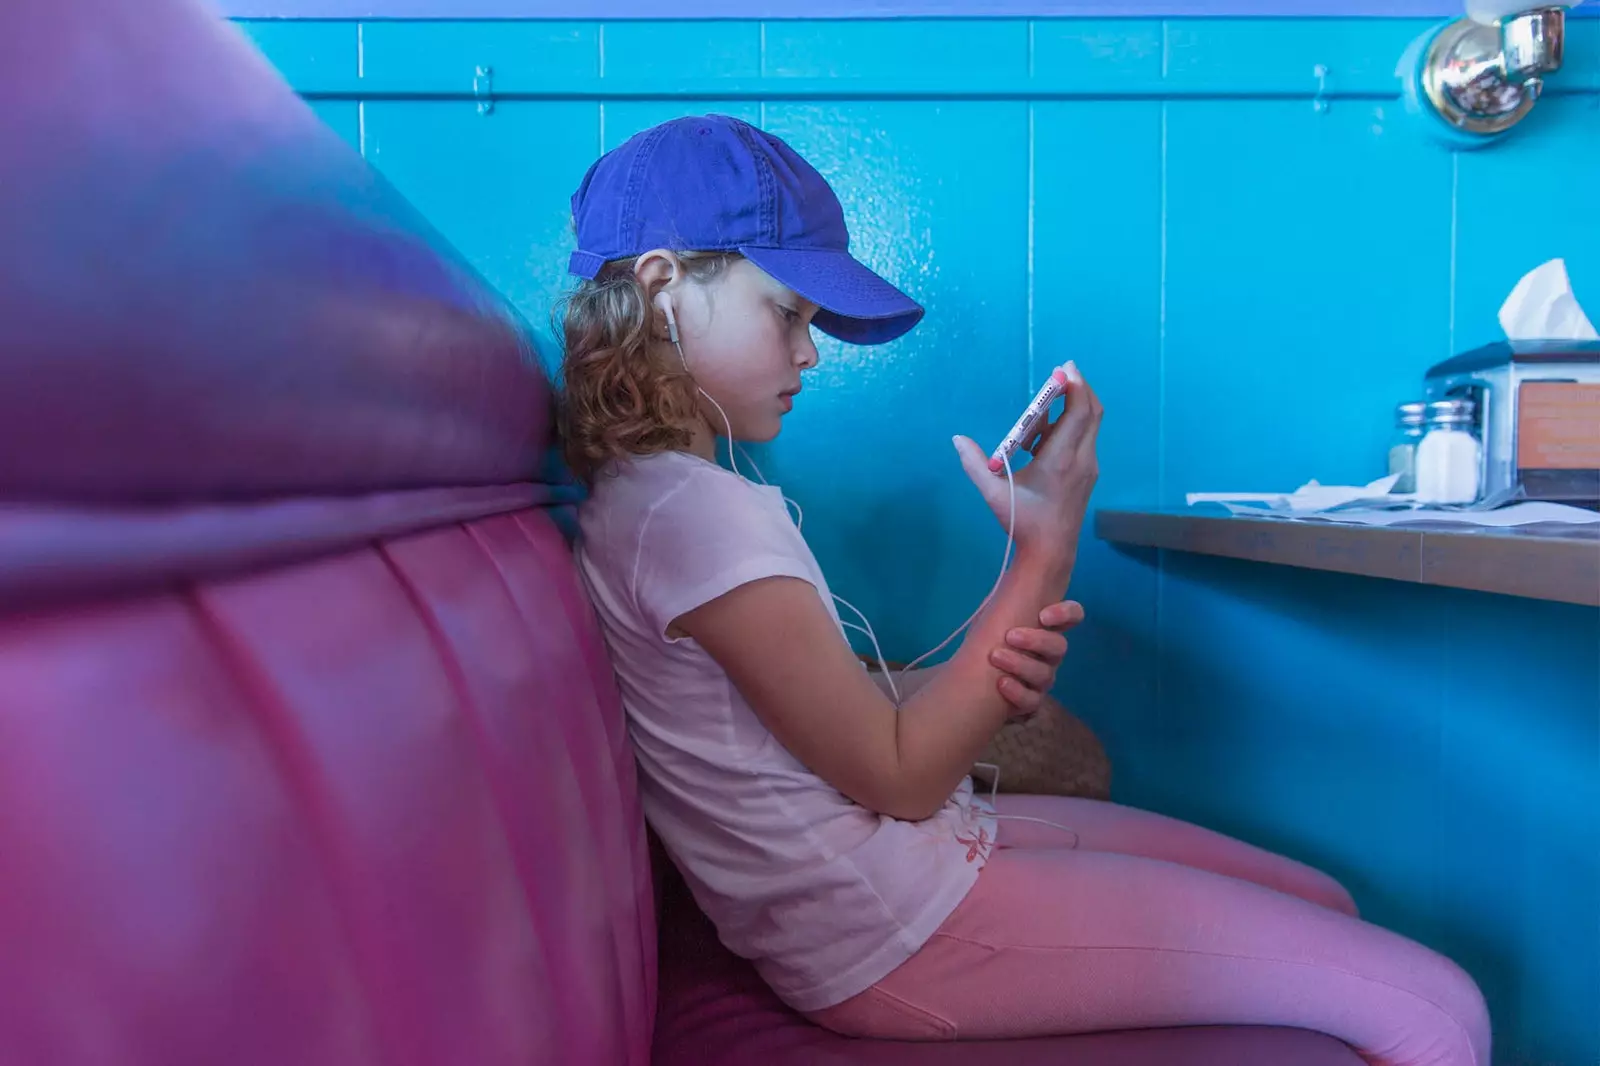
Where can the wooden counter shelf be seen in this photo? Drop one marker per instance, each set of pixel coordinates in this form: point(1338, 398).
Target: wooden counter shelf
point(1559, 563)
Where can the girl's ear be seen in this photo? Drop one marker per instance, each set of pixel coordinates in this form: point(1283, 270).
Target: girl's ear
point(656, 272)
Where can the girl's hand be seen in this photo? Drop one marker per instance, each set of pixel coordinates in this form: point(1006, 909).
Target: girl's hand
point(1053, 489)
point(1030, 658)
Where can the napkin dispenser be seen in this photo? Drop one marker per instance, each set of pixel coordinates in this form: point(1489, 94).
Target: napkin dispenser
point(1538, 404)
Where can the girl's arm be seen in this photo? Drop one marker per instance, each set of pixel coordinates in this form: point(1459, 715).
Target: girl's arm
point(1031, 656)
point(781, 648)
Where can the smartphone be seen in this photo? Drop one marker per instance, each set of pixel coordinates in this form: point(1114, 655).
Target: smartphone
point(1028, 424)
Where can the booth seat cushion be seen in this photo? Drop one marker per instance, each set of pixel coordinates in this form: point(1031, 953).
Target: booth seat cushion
point(716, 1011)
point(376, 808)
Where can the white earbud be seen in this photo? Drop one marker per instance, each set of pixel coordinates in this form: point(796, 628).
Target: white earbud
point(663, 304)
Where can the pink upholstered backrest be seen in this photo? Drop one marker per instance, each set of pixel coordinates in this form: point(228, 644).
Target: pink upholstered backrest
point(372, 808)
point(309, 750)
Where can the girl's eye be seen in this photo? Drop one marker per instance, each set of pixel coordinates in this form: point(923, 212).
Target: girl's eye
point(789, 314)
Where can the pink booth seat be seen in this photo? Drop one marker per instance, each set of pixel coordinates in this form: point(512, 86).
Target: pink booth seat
point(371, 808)
point(310, 752)
point(716, 1011)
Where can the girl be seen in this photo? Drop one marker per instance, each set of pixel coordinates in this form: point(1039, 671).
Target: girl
point(831, 836)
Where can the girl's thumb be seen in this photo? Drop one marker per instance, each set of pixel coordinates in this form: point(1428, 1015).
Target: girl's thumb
point(976, 464)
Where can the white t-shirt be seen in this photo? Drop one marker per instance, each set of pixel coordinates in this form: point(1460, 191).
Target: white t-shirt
point(823, 895)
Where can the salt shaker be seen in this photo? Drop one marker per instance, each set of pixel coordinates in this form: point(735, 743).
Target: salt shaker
point(1409, 419)
point(1447, 467)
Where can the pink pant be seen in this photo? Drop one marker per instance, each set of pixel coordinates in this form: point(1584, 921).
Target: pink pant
point(1151, 922)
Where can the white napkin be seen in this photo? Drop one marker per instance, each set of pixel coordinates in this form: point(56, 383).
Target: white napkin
point(1518, 514)
point(1310, 498)
point(1542, 307)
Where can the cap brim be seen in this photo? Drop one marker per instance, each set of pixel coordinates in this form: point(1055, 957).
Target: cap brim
point(856, 305)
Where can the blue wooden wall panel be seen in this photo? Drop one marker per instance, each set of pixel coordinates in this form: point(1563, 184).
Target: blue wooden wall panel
point(1524, 206)
point(697, 51)
point(621, 119)
point(1250, 281)
point(843, 9)
point(428, 58)
point(1098, 56)
point(1516, 885)
point(1090, 59)
point(1251, 57)
point(343, 117)
point(893, 521)
point(1096, 296)
point(498, 185)
point(1308, 288)
point(1285, 725)
point(872, 51)
point(315, 57)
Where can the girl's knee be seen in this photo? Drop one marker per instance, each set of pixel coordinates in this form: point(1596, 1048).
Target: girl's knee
point(1446, 1006)
point(1344, 901)
point(1460, 997)
point(1325, 890)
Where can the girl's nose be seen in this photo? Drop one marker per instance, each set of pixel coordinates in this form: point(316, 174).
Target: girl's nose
point(806, 354)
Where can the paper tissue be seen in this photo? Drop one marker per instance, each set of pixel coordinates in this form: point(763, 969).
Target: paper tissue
point(1541, 307)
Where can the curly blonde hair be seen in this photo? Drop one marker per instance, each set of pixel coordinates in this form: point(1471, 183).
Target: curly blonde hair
point(624, 392)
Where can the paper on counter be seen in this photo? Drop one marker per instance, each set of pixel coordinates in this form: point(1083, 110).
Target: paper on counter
point(1375, 505)
point(1310, 498)
point(1520, 514)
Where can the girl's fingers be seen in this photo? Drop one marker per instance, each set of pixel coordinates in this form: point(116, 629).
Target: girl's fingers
point(1034, 673)
point(1043, 643)
point(1061, 616)
point(1020, 696)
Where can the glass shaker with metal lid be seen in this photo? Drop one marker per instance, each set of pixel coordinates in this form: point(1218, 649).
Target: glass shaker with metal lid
point(1449, 456)
point(1409, 419)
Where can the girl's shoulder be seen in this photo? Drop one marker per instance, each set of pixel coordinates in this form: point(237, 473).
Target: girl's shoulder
point(643, 482)
point(672, 489)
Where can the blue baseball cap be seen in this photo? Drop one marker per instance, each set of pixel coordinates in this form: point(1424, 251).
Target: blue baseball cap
point(716, 184)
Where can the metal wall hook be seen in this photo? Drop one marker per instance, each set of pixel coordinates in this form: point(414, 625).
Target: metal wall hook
point(1483, 78)
point(483, 89)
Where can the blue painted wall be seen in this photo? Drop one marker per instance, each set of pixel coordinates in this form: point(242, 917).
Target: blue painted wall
point(827, 9)
point(1250, 281)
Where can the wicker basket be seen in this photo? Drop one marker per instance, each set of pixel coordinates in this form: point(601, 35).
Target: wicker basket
point(1052, 753)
